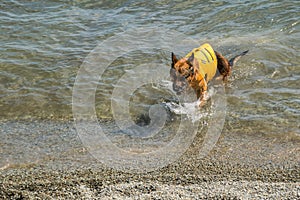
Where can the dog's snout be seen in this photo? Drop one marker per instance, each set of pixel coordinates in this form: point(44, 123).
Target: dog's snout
point(176, 88)
point(179, 86)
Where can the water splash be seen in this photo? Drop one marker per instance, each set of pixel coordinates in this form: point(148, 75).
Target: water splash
point(192, 110)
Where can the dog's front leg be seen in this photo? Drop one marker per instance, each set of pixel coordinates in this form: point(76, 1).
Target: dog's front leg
point(203, 96)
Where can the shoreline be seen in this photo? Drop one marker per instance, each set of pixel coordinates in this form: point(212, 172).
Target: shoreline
point(240, 166)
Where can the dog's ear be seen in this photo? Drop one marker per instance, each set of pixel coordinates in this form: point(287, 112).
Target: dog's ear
point(174, 60)
point(190, 60)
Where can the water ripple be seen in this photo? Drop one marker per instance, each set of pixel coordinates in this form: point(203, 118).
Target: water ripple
point(44, 43)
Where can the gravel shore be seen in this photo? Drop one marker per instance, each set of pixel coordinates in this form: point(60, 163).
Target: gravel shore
point(241, 166)
point(166, 184)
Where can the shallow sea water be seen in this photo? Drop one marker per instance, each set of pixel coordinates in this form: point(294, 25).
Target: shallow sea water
point(44, 44)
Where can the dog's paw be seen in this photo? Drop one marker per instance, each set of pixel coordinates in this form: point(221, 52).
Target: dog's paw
point(204, 98)
point(202, 103)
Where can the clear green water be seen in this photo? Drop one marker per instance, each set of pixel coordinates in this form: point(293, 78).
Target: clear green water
point(43, 44)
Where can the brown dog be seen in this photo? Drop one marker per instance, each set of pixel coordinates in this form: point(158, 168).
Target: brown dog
point(198, 67)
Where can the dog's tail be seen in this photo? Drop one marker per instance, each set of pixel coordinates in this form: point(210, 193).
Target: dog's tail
point(233, 60)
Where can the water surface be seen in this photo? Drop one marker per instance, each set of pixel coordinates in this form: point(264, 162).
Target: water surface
point(44, 43)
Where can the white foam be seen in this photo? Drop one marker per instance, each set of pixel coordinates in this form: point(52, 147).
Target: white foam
point(192, 110)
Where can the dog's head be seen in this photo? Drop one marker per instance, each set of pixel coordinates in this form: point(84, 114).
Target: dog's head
point(180, 72)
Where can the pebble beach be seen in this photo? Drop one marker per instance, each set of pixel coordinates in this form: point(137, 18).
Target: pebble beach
point(241, 166)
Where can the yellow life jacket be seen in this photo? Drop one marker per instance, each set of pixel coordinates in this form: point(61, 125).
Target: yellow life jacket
point(207, 60)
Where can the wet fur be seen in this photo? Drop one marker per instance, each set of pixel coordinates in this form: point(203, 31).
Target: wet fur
point(184, 72)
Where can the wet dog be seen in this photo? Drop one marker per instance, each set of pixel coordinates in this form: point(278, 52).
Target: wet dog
point(199, 67)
